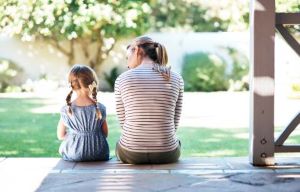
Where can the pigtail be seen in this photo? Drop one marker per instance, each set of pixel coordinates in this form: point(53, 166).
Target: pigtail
point(68, 100)
point(94, 94)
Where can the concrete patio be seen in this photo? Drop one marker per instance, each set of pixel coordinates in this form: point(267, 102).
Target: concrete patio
point(190, 174)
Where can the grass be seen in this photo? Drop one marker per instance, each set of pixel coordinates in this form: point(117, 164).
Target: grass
point(25, 132)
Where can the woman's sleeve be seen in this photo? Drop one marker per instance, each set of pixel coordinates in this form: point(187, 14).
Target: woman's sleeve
point(119, 103)
point(178, 107)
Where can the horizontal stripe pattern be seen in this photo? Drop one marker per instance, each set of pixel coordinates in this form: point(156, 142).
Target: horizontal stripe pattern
point(148, 108)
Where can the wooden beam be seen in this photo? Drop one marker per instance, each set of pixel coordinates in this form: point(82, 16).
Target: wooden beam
point(288, 18)
point(288, 130)
point(287, 149)
point(293, 43)
point(262, 35)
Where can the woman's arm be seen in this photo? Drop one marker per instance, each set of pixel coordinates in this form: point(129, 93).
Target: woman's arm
point(61, 130)
point(119, 104)
point(105, 128)
point(178, 107)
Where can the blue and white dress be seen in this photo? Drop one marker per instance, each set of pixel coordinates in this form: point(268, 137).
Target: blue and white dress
point(85, 140)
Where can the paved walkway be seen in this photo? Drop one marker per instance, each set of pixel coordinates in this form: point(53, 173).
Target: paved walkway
point(190, 174)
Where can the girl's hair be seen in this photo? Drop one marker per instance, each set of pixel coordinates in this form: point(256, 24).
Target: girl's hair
point(156, 52)
point(81, 76)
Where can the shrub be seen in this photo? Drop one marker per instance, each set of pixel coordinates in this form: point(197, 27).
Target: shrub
point(111, 77)
point(210, 72)
point(239, 80)
point(43, 85)
point(204, 72)
point(8, 74)
point(296, 87)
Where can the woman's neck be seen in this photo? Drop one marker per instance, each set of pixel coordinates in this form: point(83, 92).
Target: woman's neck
point(147, 61)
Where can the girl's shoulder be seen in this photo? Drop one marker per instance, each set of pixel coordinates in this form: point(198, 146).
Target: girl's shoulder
point(101, 106)
point(64, 108)
point(74, 106)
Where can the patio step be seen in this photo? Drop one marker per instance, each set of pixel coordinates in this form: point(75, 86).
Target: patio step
point(189, 174)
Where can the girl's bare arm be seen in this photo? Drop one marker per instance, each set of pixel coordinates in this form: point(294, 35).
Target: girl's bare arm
point(61, 130)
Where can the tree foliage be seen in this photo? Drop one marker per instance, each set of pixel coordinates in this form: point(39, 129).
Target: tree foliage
point(94, 26)
point(81, 22)
point(201, 16)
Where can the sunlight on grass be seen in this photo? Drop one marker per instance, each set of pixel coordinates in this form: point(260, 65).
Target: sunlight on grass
point(213, 140)
point(242, 135)
point(45, 109)
point(223, 152)
point(8, 153)
point(29, 141)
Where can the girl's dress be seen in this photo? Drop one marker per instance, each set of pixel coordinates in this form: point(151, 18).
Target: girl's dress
point(85, 140)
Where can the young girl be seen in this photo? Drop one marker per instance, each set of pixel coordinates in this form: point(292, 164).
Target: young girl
point(82, 125)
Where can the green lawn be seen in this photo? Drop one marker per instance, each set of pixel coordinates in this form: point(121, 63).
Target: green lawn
point(24, 132)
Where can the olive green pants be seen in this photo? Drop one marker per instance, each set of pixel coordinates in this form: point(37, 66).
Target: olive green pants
point(147, 158)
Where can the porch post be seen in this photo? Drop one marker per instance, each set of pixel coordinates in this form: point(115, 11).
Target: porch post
point(262, 34)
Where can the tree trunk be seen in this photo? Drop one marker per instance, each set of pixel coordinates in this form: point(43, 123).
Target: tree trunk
point(94, 62)
point(71, 60)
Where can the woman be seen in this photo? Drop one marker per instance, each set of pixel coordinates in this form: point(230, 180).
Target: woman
point(148, 104)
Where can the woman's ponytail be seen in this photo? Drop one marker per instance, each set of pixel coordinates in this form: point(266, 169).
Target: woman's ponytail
point(162, 61)
point(162, 56)
point(156, 52)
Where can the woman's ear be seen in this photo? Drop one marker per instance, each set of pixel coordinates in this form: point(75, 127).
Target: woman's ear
point(136, 50)
point(137, 53)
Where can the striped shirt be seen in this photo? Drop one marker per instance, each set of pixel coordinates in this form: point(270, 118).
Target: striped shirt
point(148, 108)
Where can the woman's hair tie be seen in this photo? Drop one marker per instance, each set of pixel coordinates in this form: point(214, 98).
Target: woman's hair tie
point(155, 44)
